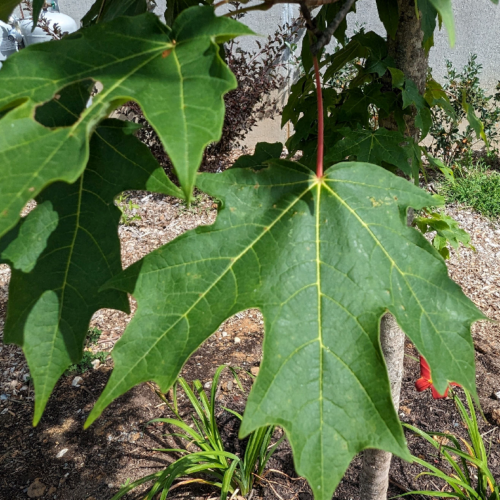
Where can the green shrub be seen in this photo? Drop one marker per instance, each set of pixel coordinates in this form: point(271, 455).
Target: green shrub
point(476, 187)
point(452, 141)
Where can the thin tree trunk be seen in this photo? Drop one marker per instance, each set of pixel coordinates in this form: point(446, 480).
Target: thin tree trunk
point(374, 478)
point(411, 58)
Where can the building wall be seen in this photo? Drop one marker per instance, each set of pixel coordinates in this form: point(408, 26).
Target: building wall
point(477, 31)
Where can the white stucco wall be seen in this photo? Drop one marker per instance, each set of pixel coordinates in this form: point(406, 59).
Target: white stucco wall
point(477, 26)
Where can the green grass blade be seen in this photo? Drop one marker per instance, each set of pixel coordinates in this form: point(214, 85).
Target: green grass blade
point(235, 413)
point(438, 494)
point(194, 401)
point(270, 453)
point(235, 375)
point(198, 387)
point(130, 486)
point(454, 483)
point(228, 478)
point(181, 425)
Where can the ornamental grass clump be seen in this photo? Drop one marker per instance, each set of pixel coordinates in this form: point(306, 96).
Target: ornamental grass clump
point(470, 477)
point(211, 464)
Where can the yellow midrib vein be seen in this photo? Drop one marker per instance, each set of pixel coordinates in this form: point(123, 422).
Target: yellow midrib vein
point(320, 330)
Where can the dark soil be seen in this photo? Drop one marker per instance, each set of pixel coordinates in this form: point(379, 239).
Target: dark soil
point(119, 445)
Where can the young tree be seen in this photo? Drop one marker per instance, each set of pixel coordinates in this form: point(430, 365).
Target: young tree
point(406, 46)
point(320, 246)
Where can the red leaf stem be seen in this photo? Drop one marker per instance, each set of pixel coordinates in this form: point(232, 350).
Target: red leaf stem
point(321, 124)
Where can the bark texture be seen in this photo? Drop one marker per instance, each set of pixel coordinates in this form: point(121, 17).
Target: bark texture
point(411, 58)
point(374, 477)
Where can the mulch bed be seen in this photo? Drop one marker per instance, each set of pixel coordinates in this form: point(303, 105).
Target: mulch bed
point(68, 463)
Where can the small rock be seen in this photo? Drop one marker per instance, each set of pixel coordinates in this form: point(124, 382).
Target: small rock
point(208, 385)
point(495, 414)
point(406, 410)
point(52, 490)
point(24, 388)
point(3, 397)
point(111, 485)
point(134, 436)
point(237, 340)
point(36, 489)
point(96, 364)
point(227, 386)
point(76, 381)
point(62, 453)
point(497, 394)
point(224, 334)
point(254, 370)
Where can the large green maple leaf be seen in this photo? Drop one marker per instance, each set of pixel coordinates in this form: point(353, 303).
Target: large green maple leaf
point(6, 8)
point(379, 146)
point(67, 248)
point(323, 259)
point(176, 75)
point(107, 10)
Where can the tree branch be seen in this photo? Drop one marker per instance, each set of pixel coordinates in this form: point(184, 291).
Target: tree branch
point(267, 4)
point(325, 37)
point(310, 22)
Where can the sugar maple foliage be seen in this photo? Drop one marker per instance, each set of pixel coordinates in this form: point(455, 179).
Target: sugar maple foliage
point(322, 252)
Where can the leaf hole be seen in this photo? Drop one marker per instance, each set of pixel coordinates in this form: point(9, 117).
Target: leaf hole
point(65, 108)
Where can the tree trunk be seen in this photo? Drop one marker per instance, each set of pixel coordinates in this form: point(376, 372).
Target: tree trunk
point(411, 58)
point(374, 478)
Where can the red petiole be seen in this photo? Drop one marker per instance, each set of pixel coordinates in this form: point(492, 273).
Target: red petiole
point(321, 124)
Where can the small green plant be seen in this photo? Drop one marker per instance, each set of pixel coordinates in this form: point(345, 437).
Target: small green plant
point(126, 208)
point(450, 140)
point(93, 336)
point(471, 478)
point(447, 231)
point(475, 186)
point(86, 362)
point(194, 207)
point(88, 357)
point(212, 464)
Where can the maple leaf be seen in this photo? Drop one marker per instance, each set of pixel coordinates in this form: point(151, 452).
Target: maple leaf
point(379, 146)
point(58, 271)
point(176, 76)
point(323, 259)
point(6, 8)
